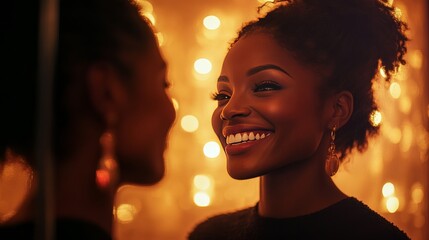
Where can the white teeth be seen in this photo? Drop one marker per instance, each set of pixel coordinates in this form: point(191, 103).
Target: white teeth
point(244, 137)
point(251, 136)
point(238, 137)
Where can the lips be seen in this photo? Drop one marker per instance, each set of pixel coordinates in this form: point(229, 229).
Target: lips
point(241, 139)
point(245, 137)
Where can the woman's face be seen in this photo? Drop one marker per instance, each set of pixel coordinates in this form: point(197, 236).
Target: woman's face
point(145, 121)
point(270, 112)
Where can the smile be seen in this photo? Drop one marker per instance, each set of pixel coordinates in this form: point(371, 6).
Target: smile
point(244, 137)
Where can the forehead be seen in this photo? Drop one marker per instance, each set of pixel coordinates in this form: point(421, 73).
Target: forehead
point(256, 49)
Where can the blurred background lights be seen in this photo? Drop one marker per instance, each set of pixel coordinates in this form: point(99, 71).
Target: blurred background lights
point(211, 149)
point(146, 7)
point(416, 59)
point(202, 182)
point(175, 104)
point(160, 38)
point(375, 118)
point(125, 213)
point(392, 204)
point(189, 123)
point(150, 17)
point(395, 90)
point(383, 72)
point(211, 22)
point(417, 193)
point(202, 199)
point(264, 1)
point(388, 189)
point(202, 66)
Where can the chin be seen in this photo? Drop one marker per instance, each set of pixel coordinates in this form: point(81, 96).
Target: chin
point(240, 173)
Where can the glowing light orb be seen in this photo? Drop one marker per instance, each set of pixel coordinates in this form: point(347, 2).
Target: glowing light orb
point(202, 199)
point(395, 90)
point(211, 149)
point(202, 182)
point(211, 22)
point(383, 72)
point(175, 104)
point(189, 123)
point(388, 189)
point(125, 213)
point(392, 204)
point(202, 66)
point(375, 118)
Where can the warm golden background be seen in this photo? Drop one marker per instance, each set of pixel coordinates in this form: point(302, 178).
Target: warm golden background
point(391, 177)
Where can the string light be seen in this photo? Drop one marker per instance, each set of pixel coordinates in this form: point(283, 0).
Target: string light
point(388, 189)
point(189, 123)
point(395, 90)
point(202, 199)
point(211, 149)
point(211, 22)
point(202, 182)
point(392, 204)
point(125, 213)
point(203, 66)
point(375, 118)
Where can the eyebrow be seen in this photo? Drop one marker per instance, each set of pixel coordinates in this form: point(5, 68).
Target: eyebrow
point(257, 69)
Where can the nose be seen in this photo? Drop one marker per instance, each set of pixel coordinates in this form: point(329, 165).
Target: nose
point(235, 108)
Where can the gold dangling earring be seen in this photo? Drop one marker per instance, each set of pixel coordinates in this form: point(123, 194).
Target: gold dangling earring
point(107, 171)
point(332, 162)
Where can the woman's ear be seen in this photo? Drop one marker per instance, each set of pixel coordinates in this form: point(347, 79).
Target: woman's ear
point(106, 92)
point(343, 108)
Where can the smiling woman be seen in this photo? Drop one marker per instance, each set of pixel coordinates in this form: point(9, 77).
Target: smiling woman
point(294, 98)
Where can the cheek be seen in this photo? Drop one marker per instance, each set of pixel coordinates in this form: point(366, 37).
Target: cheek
point(217, 123)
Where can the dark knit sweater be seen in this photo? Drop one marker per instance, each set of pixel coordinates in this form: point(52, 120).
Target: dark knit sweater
point(347, 219)
point(66, 229)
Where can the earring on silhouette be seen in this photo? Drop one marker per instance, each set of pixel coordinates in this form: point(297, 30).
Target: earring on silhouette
point(107, 171)
point(332, 162)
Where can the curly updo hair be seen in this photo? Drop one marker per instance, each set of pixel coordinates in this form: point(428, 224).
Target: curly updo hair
point(354, 38)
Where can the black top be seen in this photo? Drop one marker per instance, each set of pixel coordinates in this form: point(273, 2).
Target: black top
point(65, 229)
point(347, 219)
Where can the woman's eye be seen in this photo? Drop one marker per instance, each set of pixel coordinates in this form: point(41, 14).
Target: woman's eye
point(220, 96)
point(267, 86)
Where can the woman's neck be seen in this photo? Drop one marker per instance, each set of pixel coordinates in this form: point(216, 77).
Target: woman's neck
point(297, 190)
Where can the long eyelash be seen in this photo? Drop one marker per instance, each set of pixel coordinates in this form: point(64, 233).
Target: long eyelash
point(214, 95)
point(266, 82)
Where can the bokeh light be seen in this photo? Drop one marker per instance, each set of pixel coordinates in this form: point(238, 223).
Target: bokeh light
point(395, 90)
point(160, 38)
point(388, 189)
point(375, 118)
point(125, 213)
point(211, 149)
point(189, 123)
point(202, 199)
point(175, 104)
point(383, 72)
point(392, 204)
point(202, 182)
point(203, 66)
point(151, 17)
point(211, 22)
point(417, 193)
